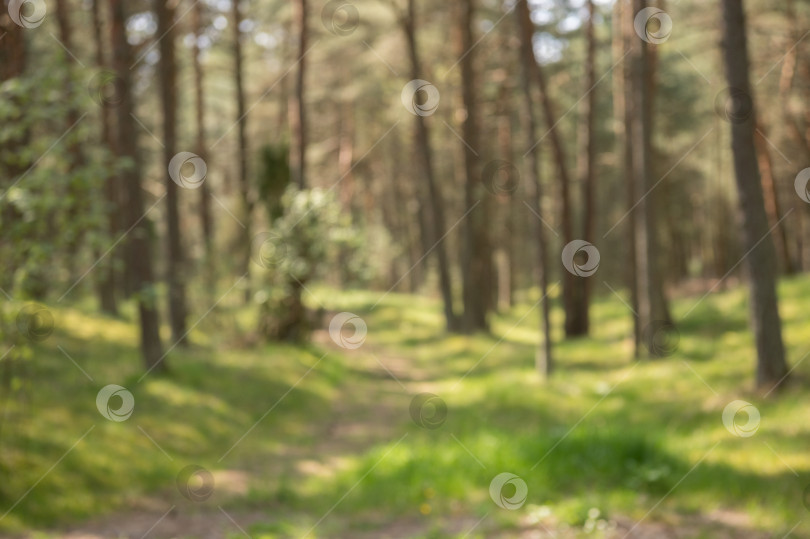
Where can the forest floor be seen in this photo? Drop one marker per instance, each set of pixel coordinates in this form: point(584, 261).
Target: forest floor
point(319, 440)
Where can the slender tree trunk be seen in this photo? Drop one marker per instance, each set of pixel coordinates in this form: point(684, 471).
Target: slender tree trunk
point(107, 281)
point(587, 173)
point(242, 174)
point(422, 141)
point(657, 212)
point(76, 155)
point(139, 256)
point(206, 217)
point(298, 126)
point(622, 39)
point(13, 52)
point(543, 357)
point(167, 74)
point(790, 120)
point(505, 254)
point(772, 206)
point(13, 60)
point(346, 154)
point(761, 257)
point(477, 275)
point(648, 297)
point(408, 207)
point(570, 281)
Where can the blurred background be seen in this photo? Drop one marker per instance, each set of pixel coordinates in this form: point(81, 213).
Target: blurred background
point(395, 268)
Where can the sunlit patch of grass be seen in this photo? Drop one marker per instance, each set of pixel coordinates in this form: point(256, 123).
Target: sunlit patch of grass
point(605, 432)
point(664, 416)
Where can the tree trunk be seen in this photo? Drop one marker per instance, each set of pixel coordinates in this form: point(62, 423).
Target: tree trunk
point(622, 39)
point(761, 257)
point(167, 74)
point(477, 275)
point(242, 174)
point(504, 255)
point(649, 298)
point(346, 154)
point(543, 357)
point(13, 52)
point(13, 59)
point(587, 173)
point(790, 120)
point(206, 218)
point(138, 253)
point(298, 126)
point(422, 141)
point(771, 195)
point(570, 281)
point(656, 214)
point(76, 156)
point(107, 280)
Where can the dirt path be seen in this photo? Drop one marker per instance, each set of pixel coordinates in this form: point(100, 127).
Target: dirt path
point(354, 426)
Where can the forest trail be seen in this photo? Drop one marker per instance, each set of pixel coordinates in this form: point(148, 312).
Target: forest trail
point(370, 408)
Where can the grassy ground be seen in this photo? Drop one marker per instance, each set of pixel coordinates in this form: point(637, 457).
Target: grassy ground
point(320, 440)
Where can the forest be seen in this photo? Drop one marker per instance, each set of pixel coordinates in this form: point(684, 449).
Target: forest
point(401, 268)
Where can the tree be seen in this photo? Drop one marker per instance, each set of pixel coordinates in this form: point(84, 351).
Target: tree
point(138, 252)
point(650, 301)
point(167, 74)
point(107, 282)
point(654, 208)
point(13, 60)
point(13, 52)
point(543, 359)
point(772, 206)
point(623, 121)
point(477, 275)
point(587, 173)
point(206, 218)
point(79, 201)
point(241, 121)
point(760, 253)
point(298, 125)
point(425, 156)
point(570, 281)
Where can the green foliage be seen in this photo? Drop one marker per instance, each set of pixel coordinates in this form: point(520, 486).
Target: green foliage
point(311, 237)
point(274, 178)
point(52, 206)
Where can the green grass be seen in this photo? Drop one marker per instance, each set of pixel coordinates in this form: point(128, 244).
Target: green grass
point(340, 449)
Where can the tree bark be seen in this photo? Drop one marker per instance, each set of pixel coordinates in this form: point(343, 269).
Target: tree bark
point(242, 173)
point(298, 126)
point(138, 252)
point(570, 281)
point(587, 173)
point(649, 298)
point(436, 200)
point(771, 195)
point(657, 215)
point(761, 255)
point(167, 74)
point(76, 156)
point(107, 281)
point(13, 60)
point(477, 275)
point(504, 255)
point(790, 120)
point(543, 358)
point(206, 217)
point(622, 39)
point(13, 52)
point(346, 154)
